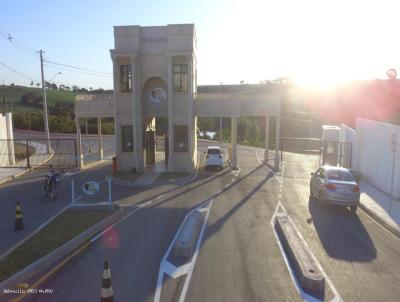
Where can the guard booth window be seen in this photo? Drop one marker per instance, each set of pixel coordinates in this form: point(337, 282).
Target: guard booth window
point(181, 77)
point(126, 78)
point(127, 138)
point(181, 138)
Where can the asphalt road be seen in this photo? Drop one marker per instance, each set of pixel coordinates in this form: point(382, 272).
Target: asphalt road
point(36, 208)
point(239, 258)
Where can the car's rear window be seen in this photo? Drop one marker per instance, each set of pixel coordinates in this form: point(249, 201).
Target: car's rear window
point(214, 151)
point(340, 175)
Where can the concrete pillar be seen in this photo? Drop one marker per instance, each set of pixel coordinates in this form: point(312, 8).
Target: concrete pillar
point(134, 116)
point(139, 117)
point(100, 139)
point(170, 117)
point(234, 141)
point(266, 152)
point(10, 137)
point(78, 143)
point(190, 110)
point(277, 142)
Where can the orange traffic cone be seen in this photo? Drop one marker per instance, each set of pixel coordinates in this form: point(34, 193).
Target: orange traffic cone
point(19, 225)
point(107, 294)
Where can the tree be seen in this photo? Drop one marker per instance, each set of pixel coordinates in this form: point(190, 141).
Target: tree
point(32, 83)
point(37, 85)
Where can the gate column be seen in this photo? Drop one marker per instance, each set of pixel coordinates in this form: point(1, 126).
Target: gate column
point(100, 140)
point(78, 143)
point(266, 139)
point(10, 139)
point(277, 142)
point(234, 141)
point(170, 165)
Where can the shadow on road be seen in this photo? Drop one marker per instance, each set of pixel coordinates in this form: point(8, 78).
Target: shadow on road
point(341, 233)
point(215, 227)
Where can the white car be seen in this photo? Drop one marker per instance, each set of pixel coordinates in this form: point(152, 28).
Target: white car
point(214, 158)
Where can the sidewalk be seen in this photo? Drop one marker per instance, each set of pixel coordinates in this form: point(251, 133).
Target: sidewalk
point(7, 174)
point(38, 158)
point(377, 203)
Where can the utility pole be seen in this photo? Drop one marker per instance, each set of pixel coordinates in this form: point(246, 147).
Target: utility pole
point(46, 120)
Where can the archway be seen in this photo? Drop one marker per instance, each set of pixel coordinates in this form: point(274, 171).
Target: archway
point(155, 119)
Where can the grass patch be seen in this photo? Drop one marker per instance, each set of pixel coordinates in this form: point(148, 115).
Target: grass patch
point(172, 176)
point(65, 227)
point(127, 176)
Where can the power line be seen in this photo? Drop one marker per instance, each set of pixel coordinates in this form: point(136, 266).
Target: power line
point(18, 44)
point(78, 71)
point(17, 72)
point(33, 80)
point(78, 68)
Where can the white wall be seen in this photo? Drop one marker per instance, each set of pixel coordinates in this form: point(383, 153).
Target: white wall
point(6, 147)
point(374, 157)
point(348, 134)
point(3, 144)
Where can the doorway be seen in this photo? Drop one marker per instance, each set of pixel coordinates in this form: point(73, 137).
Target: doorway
point(155, 144)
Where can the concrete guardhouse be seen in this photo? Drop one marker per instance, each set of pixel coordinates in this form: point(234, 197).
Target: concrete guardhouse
point(155, 95)
point(155, 76)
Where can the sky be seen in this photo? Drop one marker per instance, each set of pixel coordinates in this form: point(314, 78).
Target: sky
point(315, 42)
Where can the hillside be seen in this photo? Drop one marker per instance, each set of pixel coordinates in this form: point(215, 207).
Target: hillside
point(27, 105)
point(30, 99)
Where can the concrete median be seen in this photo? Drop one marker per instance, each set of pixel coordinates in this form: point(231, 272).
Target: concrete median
point(187, 238)
point(305, 268)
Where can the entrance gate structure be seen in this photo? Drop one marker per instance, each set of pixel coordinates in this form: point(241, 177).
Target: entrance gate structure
point(155, 77)
point(92, 106)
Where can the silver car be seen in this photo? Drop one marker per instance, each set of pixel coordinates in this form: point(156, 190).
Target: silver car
point(335, 185)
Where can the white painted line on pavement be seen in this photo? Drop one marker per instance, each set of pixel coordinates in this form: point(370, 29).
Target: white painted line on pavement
point(167, 268)
point(226, 186)
point(232, 180)
point(194, 258)
point(304, 295)
point(219, 191)
point(236, 172)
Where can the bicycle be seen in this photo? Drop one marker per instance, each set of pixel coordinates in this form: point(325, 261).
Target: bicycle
point(51, 184)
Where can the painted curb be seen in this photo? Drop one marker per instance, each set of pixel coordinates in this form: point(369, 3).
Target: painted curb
point(380, 220)
point(305, 268)
point(59, 253)
point(187, 238)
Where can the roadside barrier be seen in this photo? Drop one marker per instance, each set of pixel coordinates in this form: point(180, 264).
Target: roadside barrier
point(107, 294)
point(19, 225)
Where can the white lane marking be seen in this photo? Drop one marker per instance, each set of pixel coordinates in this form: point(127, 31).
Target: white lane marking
point(160, 196)
point(194, 258)
point(304, 295)
point(232, 180)
point(236, 172)
point(170, 269)
point(226, 186)
point(219, 191)
point(262, 161)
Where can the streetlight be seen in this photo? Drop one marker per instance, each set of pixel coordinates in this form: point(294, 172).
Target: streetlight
point(55, 75)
